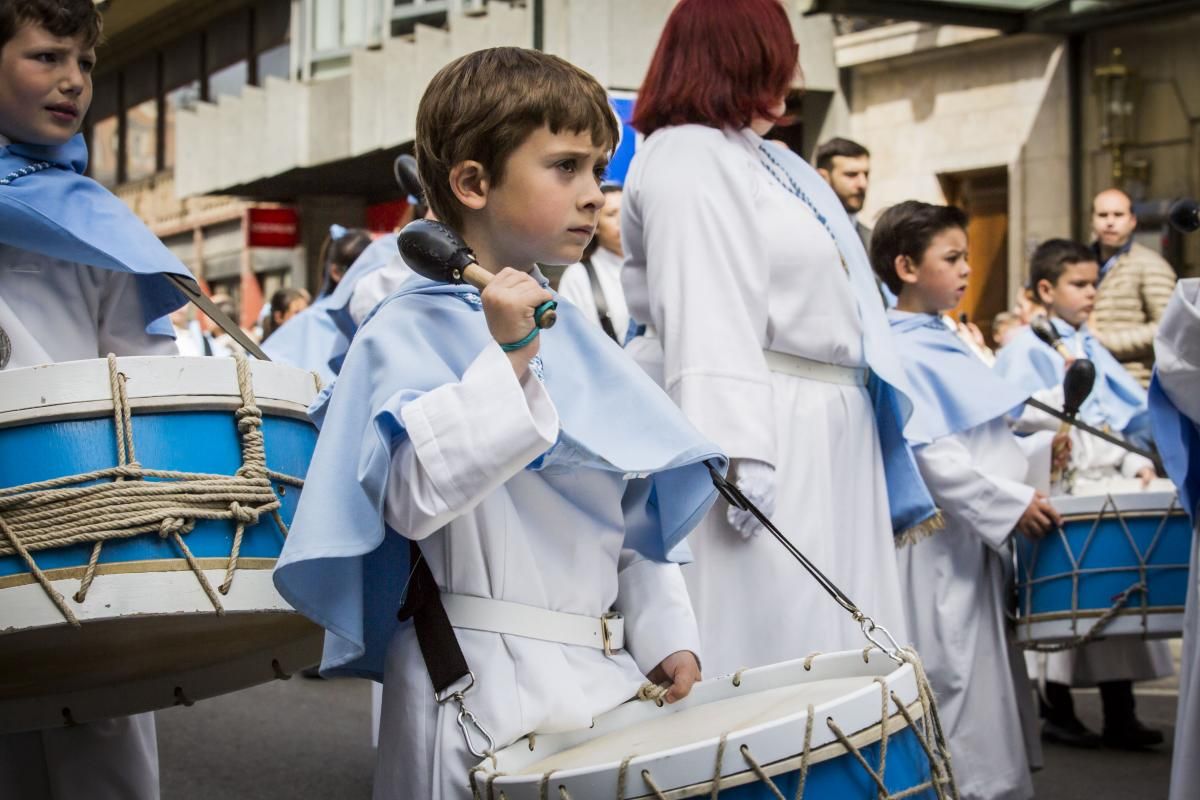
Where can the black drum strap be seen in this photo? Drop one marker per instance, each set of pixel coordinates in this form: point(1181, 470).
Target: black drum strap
point(422, 604)
point(601, 301)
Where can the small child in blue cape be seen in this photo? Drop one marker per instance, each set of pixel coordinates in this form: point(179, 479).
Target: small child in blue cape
point(78, 280)
point(955, 580)
point(1063, 275)
point(547, 482)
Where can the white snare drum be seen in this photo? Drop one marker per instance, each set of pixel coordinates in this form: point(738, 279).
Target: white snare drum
point(141, 576)
point(818, 720)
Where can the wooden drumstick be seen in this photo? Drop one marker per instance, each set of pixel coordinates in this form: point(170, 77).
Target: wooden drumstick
point(1044, 330)
point(437, 252)
point(1077, 385)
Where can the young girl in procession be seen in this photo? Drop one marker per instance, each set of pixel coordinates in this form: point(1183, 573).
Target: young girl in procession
point(955, 580)
point(1063, 275)
point(594, 284)
point(1175, 412)
point(774, 341)
point(516, 469)
point(78, 280)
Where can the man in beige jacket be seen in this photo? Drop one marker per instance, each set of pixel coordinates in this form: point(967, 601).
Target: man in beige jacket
point(1135, 285)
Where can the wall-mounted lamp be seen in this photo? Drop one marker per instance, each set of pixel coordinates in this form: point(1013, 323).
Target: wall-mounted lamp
point(1116, 87)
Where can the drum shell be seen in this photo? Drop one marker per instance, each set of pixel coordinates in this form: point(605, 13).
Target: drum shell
point(150, 636)
point(1068, 580)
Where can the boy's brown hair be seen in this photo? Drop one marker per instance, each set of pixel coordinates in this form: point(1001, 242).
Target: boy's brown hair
point(68, 18)
point(484, 105)
point(907, 229)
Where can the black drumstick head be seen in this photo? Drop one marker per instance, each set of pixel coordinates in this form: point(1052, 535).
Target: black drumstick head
point(1044, 330)
point(1077, 385)
point(404, 169)
point(434, 251)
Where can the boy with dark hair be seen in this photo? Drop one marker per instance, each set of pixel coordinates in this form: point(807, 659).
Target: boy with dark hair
point(955, 580)
point(548, 482)
point(79, 278)
point(1063, 275)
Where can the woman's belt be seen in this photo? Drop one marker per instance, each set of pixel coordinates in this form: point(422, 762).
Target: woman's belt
point(801, 367)
point(605, 633)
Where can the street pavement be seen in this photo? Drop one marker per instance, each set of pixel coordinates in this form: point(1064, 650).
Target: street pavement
point(304, 739)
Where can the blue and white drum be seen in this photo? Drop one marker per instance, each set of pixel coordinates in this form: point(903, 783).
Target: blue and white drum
point(143, 503)
point(1119, 564)
point(827, 721)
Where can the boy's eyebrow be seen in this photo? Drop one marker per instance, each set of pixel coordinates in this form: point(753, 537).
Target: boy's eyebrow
point(575, 154)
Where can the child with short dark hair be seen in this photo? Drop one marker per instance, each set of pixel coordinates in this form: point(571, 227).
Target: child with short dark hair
point(955, 580)
point(1063, 275)
point(79, 278)
point(548, 482)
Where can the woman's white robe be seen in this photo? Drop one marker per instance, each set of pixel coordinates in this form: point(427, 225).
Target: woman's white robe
point(490, 528)
point(576, 286)
point(730, 264)
point(955, 583)
point(1177, 355)
point(55, 311)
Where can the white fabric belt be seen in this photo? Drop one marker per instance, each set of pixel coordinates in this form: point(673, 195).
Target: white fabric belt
point(605, 633)
point(801, 367)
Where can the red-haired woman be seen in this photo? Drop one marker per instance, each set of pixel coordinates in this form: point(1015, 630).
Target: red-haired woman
point(753, 280)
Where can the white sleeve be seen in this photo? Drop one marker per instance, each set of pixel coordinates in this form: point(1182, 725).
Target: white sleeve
point(464, 441)
point(1177, 348)
point(1032, 420)
point(576, 287)
point(988, 504)
point(121, 323)
point(692, 216)
point(654, 600)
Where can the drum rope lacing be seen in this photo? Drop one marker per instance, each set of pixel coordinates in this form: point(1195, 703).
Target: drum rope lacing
point(1140, 587)
point(119, 503)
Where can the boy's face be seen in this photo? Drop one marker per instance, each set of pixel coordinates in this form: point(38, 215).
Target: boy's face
point(545, 208)
point(1073, 296)
point(940, 280)
point(45, 86)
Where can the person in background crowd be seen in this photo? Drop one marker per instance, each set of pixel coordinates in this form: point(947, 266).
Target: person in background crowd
point(342, 246)
point(1135, 285)
point(1004, 327)
point(770, 322)
point(285, 304)
point(222, 343)
point(594, 284)
point(846, 166)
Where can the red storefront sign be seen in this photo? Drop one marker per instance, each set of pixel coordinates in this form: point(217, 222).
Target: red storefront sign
point(272, 227)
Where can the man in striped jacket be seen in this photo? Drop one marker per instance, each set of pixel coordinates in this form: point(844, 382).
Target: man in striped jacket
point(1135, 285)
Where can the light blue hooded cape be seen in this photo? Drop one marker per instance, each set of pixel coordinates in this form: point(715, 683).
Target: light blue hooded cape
point(1117, 399)
point(48, 206)
point(345, 569)
point(953, 391)
point(1178, 441)
point(312, 339)
point(908, 499)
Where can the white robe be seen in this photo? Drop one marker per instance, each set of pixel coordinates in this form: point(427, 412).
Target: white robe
point(729, 264)
point(576, 286)
point(552, 539)
point(56, 311)
point(1177, 359)
point(955, 585)
point(374, 288)
point(1096, 464)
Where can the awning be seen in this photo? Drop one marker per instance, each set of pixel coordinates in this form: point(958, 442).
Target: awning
point(1009, 16)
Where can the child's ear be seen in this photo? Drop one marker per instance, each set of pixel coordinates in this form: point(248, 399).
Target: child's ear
point(470, 183)
point(906, 270)
point(1044, 292)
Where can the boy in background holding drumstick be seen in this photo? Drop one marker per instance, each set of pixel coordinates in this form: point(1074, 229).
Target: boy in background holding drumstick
point(955, 580)
point(78, 280)
point(1063, 275)
point(546, 479)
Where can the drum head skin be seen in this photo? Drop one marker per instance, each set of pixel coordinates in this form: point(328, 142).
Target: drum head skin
point(762, 713)
point(149, 636)
point(1108, 545)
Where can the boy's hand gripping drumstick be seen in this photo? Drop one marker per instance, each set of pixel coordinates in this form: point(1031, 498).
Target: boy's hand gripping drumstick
point(1077, 385)
point(436, 252)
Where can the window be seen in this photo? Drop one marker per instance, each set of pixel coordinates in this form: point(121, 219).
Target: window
point(181, 86)
point(141, 118)
point(105, 133)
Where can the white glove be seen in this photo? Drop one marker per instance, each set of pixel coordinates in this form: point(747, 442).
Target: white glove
point(756, 480)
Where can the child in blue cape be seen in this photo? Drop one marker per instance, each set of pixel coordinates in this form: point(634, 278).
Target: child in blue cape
point(955, 580)
point(1063, 275)
point(79, 278)
point(543, 480)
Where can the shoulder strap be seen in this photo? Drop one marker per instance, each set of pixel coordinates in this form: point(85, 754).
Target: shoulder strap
point(601, 301)
point(443, 656)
